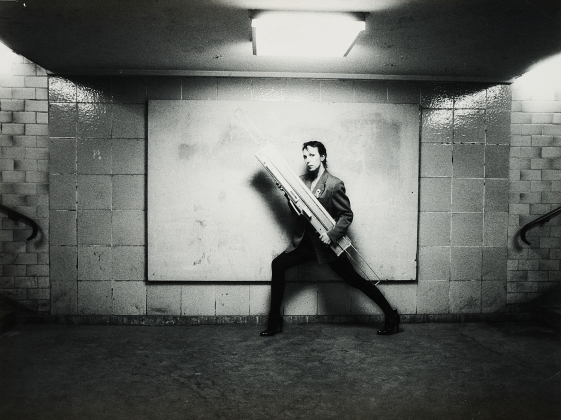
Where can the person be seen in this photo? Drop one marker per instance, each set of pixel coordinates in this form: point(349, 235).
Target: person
point(307, 245)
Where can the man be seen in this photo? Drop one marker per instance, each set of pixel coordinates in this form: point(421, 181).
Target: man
point(307, 245)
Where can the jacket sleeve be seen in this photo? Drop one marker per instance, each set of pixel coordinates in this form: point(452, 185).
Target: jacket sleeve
point(342, 212)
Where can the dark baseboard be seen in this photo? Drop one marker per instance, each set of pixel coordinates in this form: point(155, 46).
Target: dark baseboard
point(168, 320)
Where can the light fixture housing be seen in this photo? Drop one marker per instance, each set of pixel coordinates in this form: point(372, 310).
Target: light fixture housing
point(305, 34)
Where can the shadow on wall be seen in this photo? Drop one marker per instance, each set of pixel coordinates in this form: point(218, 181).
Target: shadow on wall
point(273, 198)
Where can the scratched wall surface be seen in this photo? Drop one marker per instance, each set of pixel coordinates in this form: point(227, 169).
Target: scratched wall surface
point(214, 214)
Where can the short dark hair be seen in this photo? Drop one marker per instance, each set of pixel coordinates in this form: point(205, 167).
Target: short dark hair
point(321, 149)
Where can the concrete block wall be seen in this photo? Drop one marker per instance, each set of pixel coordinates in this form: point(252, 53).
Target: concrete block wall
point(535, 188)
point(481, 176)
point(97, 178)
point(24, 187)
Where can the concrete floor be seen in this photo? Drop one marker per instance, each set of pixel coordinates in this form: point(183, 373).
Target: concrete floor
point(312, 371)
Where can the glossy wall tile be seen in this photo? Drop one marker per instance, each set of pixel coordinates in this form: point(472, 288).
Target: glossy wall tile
point(98, 130)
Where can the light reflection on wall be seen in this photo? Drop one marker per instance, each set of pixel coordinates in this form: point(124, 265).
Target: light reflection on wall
point(7, 57)
point(542, 80)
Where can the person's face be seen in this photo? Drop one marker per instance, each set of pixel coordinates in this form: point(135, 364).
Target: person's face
point(312, 158)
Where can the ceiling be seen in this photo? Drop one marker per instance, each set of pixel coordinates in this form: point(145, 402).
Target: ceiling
point(481, 40)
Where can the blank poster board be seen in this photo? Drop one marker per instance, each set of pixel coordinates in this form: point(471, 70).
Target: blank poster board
point(215, 215)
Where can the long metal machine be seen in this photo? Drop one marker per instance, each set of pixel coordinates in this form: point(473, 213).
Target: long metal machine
point(299, 196)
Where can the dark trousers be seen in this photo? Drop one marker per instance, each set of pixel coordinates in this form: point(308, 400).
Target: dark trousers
point(341, 266)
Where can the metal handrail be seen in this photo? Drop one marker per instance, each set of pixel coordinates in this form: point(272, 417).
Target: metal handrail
point(539, 221)
point(16, 216)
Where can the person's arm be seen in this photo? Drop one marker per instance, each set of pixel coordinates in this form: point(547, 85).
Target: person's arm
point(342, 210)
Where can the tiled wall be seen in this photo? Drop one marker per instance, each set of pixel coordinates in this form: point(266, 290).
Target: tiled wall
point(97, 177)
point(98, 200)
point(535, 189)
point(24, 159)
point(464, 201)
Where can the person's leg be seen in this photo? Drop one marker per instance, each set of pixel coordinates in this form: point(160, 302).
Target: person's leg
point(280, 264)
point(343, 267)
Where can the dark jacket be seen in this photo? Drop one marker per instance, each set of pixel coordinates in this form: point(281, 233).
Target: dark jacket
point(330, 192)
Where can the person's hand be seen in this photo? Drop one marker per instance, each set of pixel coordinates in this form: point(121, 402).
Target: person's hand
point(324, 237)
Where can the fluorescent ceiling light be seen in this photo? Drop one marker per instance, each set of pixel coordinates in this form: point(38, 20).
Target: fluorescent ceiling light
point(305, 34)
